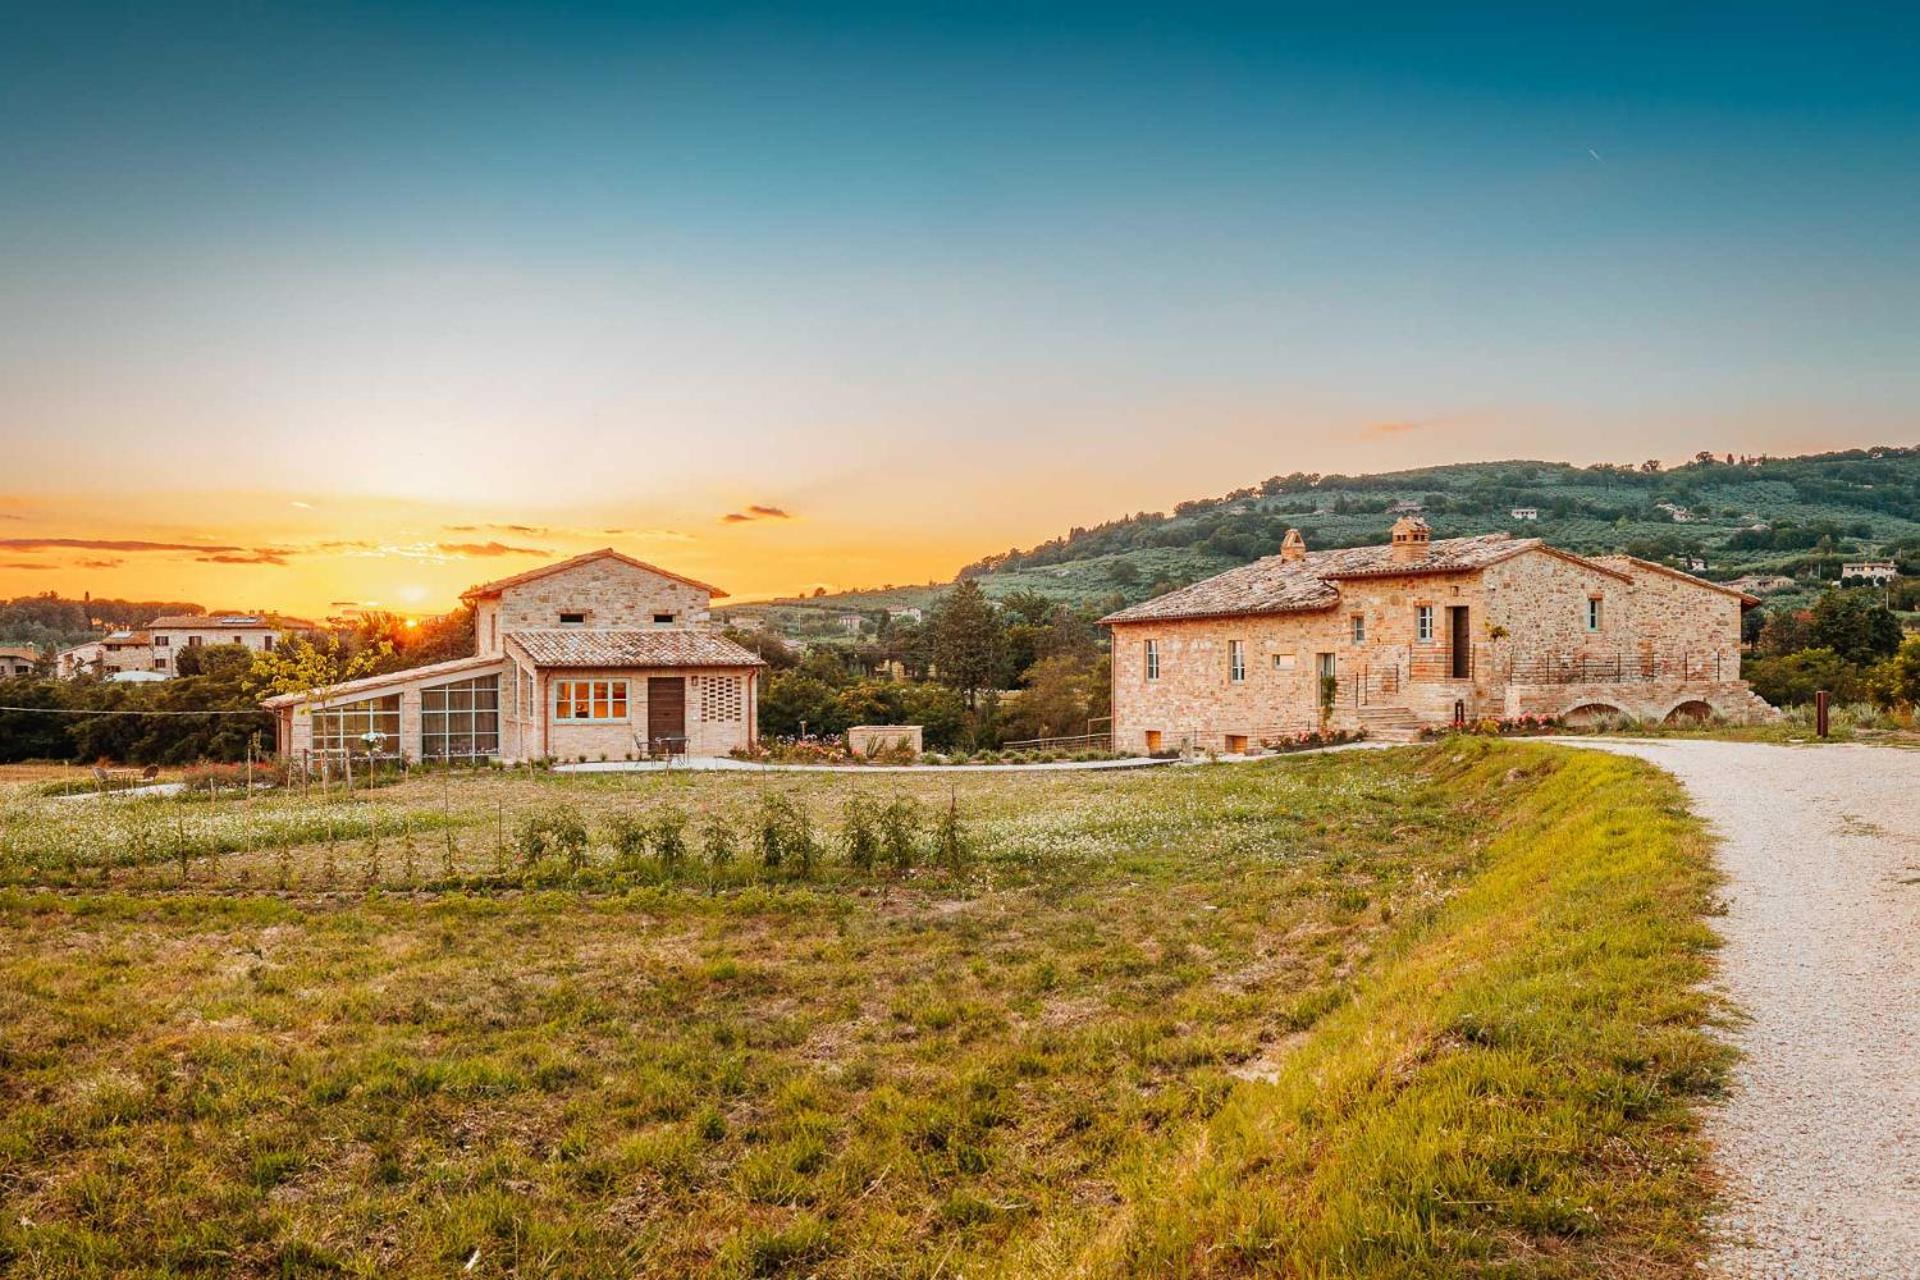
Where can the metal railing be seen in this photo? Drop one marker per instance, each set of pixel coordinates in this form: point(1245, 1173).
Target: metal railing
point(1380, 680)
point(1073, 742)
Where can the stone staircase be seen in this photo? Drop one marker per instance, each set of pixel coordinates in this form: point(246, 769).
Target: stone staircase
point(1390, 724)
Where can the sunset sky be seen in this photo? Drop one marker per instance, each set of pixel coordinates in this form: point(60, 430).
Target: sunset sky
point(313, 304)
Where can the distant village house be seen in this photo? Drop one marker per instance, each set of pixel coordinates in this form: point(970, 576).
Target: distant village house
point(1876, 572)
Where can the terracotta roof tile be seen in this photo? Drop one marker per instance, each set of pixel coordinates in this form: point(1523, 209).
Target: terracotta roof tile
point(1274, 585)
point(662, 647)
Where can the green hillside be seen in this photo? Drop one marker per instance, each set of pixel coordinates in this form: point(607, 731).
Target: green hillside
point(1797, 518)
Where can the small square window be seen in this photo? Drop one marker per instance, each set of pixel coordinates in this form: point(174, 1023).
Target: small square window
point(1359, 628)
point(1423, 622)
point(662, 618)
point(573, 619)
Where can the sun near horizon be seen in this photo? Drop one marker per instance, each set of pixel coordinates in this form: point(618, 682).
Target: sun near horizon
point(368, 306)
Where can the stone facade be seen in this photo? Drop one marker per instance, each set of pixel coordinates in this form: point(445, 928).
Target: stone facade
point(607, 593)
point(868, 740)
point(1530, 630)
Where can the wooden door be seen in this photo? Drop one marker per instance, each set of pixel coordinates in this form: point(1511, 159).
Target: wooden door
point(1462, 642)
point(666, 715)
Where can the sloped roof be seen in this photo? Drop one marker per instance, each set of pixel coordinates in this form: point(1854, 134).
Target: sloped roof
point(1274, 585)
point(372, 684)
point(605, 553)
point(228, 622)
point(662, 647)
point(1631, 563)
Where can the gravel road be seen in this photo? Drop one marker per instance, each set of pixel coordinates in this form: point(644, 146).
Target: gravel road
point(1820, 1142)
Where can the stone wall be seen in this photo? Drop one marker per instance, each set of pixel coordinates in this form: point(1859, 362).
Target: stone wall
point(716, 723)
point(1525, 615)
point(610, 592)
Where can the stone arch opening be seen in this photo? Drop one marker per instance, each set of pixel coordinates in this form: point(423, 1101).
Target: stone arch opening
point(1591, 714)
point(1692, 711)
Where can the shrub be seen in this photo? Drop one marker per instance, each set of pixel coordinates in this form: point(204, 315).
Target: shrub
point(862, 840)
point(783, 832)
point(627, 833)
point(669, 836)
point(951, 848)
point(559, 831)
point(898, 819)
point(717, 842)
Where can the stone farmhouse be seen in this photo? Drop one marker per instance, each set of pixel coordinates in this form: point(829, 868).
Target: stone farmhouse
point(18, 660)
point(1416, 633)
point(597, 657)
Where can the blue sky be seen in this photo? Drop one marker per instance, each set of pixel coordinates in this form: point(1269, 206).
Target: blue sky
point(638, 267)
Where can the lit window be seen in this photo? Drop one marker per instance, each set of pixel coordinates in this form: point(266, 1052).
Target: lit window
point(1593, 614)
point(1153, 659)
point(1423, 622)
point(1236, 660)
point(1359, 628)
point(590, 700)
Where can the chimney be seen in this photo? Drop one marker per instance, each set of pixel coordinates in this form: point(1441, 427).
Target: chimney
point(1410, 538)
point(1293, 546)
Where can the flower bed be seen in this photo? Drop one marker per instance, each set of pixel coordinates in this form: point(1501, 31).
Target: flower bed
point(1309, 739)
point(1506, 727)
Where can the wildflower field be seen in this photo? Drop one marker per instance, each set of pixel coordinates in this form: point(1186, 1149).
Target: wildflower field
point(1429, 1011)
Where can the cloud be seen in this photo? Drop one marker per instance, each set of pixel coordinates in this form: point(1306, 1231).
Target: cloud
point(1391, 428)
point(300, 506)
point(109, 544)
point(21, 564)
point(490, 549)
point(106, 563)
point(756, 512)
point(259, 555)
point(524, 530)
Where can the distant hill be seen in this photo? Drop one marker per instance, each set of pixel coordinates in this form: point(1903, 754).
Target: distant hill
point(1793, 517)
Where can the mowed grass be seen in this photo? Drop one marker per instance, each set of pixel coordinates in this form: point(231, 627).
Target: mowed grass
point(1426, 1012)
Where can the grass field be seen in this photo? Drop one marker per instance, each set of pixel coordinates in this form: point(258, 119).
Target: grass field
point(1416, 1013)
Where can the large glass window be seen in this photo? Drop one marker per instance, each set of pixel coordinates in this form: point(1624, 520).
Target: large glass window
point(603, 700)
point(461, 721)
point(345, 727)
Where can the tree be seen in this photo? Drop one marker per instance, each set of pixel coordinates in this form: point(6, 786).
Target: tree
point(967, 642)
point(1795, 677)
point(1854, 625)
point(1896, 682)
point(310, 665)
point(1785, 631)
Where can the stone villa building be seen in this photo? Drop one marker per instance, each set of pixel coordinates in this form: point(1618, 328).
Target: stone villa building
point(597, 657)
point(1416, 633)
